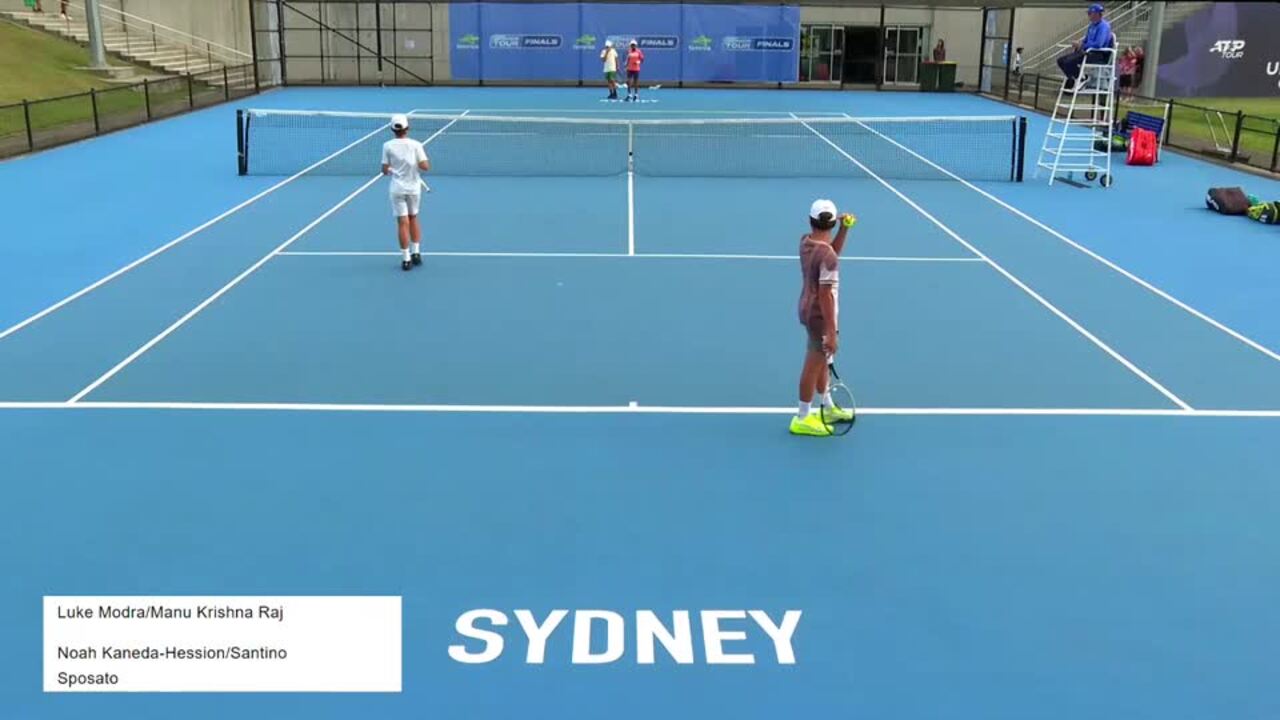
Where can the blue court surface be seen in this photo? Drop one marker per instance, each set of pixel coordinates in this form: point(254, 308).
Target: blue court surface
point(1060, 500)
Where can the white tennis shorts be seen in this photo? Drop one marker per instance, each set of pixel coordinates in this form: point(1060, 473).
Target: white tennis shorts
point(405, 203)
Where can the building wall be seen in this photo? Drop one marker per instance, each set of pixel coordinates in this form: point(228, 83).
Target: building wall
point(961, 28)
point(962, 31)
point(1036, 28)
point(225, 22)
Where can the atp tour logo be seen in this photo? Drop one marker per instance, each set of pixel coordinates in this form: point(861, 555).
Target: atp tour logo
point(737, 44)
point(1228, 49)
point(469, 42)
point(585, 42)
point(601, 637)
point(646, 42)
point(524, 42)
point(702, 43)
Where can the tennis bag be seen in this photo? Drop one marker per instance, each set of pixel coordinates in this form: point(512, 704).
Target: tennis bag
point(1119, 144)
point(1267, 212)
point(1227, 200)
point(1142, 148)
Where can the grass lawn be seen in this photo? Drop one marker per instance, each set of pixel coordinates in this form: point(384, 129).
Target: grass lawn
point(36, 65)
point(1191, 126)
point(1264, 107)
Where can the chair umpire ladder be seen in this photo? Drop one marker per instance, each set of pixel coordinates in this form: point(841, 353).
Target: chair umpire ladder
point(1079, 136)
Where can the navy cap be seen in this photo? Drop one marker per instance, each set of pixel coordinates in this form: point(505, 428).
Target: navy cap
point(1095, 8)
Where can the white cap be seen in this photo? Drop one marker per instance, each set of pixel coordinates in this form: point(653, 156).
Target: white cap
point(633, 42)
point(399, 122)
point(608, 43)
point(822, 206)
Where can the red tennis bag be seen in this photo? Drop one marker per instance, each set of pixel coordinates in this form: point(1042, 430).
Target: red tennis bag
point(1144, 148)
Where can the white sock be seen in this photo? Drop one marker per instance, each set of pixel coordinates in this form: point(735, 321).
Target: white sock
point(417, 248)
point(405, 252)
point(826, 399)
point(804, 409)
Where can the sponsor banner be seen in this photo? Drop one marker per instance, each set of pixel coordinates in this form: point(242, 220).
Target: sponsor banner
point(1225, 50)
point(563, 41)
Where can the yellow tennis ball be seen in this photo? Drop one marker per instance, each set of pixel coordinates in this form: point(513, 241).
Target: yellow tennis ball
point(849, 220)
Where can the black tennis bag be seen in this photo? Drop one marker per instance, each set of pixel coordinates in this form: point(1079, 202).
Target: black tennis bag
point(1227, 200)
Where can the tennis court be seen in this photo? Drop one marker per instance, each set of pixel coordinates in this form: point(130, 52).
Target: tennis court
point(1059, 501)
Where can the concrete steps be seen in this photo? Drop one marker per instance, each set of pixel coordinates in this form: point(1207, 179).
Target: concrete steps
point(149, 51)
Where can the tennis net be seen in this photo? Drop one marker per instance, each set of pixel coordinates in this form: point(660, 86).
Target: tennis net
point(287, 142)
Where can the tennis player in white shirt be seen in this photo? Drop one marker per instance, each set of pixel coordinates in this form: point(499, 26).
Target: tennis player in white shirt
point(403, 159)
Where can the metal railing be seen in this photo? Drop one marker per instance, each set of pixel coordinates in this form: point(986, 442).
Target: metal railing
point(142, 35)
point(1232, 136)
point(1122, 17)
point(38, 124)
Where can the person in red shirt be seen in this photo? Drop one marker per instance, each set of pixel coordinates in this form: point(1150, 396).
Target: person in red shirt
point(635, 57)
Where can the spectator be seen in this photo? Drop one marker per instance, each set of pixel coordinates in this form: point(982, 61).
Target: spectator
point(62, 9)
point(1125, 67)
point(610, 57)
point(34, 5)
point(1017, 61)
point(940, 52)
point(1139, 62)
point(1097, 37)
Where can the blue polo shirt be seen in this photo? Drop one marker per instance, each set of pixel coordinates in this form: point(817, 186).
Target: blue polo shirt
point(1097, 36)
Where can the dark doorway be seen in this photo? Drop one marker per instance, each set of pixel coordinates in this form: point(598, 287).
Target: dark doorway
point(861, 55)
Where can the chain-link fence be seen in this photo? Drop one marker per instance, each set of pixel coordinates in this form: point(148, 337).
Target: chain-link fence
point(38, 124)
point(1223, 134)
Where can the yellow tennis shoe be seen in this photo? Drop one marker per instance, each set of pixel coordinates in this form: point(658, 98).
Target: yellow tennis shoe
point(810, 425)
point(835, 413)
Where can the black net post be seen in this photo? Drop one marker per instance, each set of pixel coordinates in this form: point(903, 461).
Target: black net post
point(1022, 146)
point(191, 92)
point(242, 166)
point(146, 95)
point(26, 120)
point(1235, 140)
point(93, 103)
point(1168, 124)
point(226, 84)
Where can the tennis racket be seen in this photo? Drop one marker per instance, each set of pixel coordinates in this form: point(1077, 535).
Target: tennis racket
point(838, 420)
point(425, 186)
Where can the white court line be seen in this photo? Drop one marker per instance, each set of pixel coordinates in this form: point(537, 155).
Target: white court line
point(90, 288)
point(1011, 277)
point(659, 256)
point(631, 210)
point(235, 281)
point(220, 292)
point(1152, 288)
point(630, 408)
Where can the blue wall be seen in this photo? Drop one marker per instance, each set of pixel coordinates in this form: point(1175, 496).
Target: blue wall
point(562, 41)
